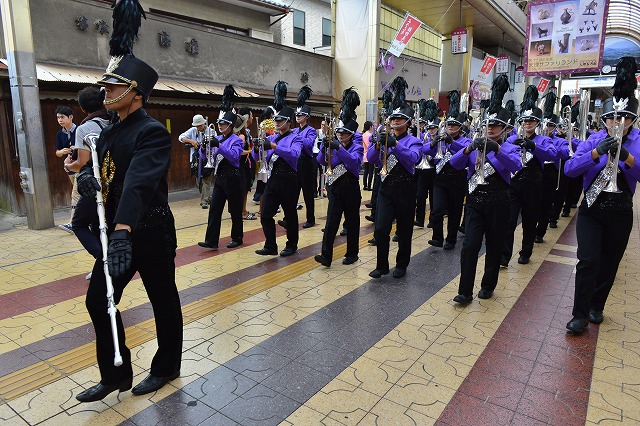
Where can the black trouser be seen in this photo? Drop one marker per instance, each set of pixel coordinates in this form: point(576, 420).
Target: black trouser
point(280, 191)
point(86, 226)
point(602, 239)
point(448, 198)
point(488, 221)
point(560, 195)
point(344, 197)
point(574, 191)
point(424, 188)
point(367, 177)
point(524, 198)
point(154, 251)
point(549, 185)
point(395, 201)
point(226, 188)
point(374, 192)
point(307, 172)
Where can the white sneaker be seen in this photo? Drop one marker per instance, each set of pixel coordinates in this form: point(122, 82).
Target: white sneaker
point(88, 277)
point(66, 227)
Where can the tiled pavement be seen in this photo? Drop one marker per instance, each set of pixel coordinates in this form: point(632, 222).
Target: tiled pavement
point(284, 340)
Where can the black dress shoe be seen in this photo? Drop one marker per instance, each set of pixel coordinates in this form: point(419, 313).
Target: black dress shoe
point(370, 218)
point(99, 391)
point(206, 244)
point(449, 246)
point(595, 317)
point(373, 241)
point(538, 240)
point(399, 273)
point(553, 224)
point(308, 225)
point(395, 238)
point(282, 223)
point(418, 224)
point(523, 260)
point(377, 273)
point(565, 213)
point(343, 232)
point(577, 325)
point(349, 260)
point(435, 243)
point(299, 206)
point(369, 205)
point(504, 262)
point(322, 260)
point(153, 383)
point(234, 244)
point(288, 251)
point(485, 294)
point(462, 299)
point(267, 252)
point(429, 225)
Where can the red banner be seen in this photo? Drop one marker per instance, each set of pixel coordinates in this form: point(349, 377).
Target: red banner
point(408, 28)
point(488, 64)
point(542, 86)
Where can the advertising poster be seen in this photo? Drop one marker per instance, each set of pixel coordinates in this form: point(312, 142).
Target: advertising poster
point(565, 36)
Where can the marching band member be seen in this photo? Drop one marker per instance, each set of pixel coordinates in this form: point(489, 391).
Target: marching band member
point(605, 218)
point(449, 189)
point(343, 187)
point(282, 189)
point(397, 194)
point(425, 171)
point(486, 211)
point(524, 191)
point(570, 188)
point(307, 165)
point(134, 155)
point(229, 179)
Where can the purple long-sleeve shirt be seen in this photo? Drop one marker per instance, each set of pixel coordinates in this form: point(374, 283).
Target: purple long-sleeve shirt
point(308, 136)
point(288, 148)
point(231, 149)
point(583, 164)
point(562, 149)
point(545, 148)
point(351, 157)
point(407, 151)
point(505, 162)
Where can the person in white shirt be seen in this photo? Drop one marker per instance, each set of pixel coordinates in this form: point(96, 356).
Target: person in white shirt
point(192, 139)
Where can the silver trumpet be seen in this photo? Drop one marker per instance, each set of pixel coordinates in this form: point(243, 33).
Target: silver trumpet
point(263, 172)
point(209, 134)
point(613, 160)
point(523, 152)
point(480, 158)
point(424, 163)
point(329, 136)
point(567, 127)
point(442, 131)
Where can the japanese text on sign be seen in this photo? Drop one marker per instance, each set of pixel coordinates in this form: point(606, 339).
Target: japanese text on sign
point(408, 28)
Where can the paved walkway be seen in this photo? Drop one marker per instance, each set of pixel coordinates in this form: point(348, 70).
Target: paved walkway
point(284, 340)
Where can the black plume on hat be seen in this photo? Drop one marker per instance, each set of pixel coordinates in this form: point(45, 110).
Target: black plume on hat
point(510, 106)
point(565, 101)
point(387, 97)
point(303, 95)
point(530, 98)
point(454, 104)
point(279, 95)
point(350, 101)
point(484, 104)
point(422, 107)
point(575, 111)
point(399, 85)
point(549, 104)
point(626, 82)
point(499, 87)
point(127, 19)
point(229, 96)
point(432, 110)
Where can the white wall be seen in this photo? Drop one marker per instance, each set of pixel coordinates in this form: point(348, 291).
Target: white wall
point(314, 11)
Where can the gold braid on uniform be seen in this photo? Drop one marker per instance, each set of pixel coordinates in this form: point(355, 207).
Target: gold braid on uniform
point(107, 171)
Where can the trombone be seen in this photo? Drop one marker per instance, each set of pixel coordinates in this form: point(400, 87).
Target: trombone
point(209, 134)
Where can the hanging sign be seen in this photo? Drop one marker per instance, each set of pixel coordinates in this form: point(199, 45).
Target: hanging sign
point(502, 66)
point(519, 78)
point(487, 65)
point(542, 85)
point(459, 41)
point(408, 28)
point(565, 36)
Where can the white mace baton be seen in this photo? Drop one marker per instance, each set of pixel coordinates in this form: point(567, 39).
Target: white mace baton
point(90, 140)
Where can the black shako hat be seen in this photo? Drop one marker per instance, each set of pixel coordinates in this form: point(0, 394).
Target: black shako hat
point(124, 68)
point(623, 91)
point(500, 118)
point(228, 117)
point(350, 126)
point(534, 113)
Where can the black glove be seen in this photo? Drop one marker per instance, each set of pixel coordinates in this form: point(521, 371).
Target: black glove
point(388, 137)
point(88, 186)
point(119, 253)
point(624, 153)
point(446, 138)
point(478, 143)
point(335, 144)
point(214, 143)
point(492, 146)
point(266, 144)
point(528, 144)
point(603, 147)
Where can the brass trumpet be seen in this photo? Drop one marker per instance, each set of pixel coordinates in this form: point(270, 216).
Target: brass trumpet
point(329, 136)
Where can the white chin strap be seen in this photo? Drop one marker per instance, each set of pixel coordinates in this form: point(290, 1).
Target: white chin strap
point(280, 126)
point(397, 126)
point(343, 138)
